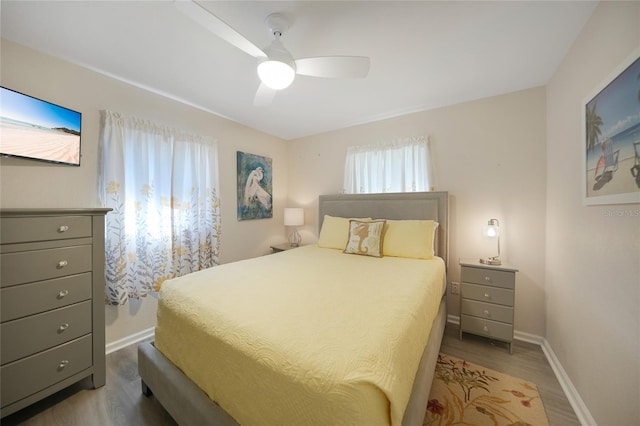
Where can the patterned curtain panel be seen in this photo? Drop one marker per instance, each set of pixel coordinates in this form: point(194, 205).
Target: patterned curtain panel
point(162, 185)
point(398, 166)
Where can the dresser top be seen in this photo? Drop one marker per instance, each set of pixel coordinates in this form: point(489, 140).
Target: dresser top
point(475, 263)
point(54, 212)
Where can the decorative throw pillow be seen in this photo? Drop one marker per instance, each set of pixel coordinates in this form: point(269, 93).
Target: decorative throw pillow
point(410, 238)
point(335, 232)
point(365, 238)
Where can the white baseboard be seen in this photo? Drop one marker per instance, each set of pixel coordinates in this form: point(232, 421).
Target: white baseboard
point(453, 319)
point(581, 410)
point(528, 337)
point(129, 340)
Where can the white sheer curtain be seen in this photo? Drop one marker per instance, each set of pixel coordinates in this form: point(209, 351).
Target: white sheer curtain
point(162, 185)
point(402, 165)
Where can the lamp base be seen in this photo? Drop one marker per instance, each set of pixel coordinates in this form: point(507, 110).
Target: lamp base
point(295, 239)
point(491, 261)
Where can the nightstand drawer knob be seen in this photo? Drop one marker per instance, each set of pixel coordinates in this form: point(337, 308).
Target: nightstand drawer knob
point(63, 327)
point(487, 295)
point(487, 313)
point(487, 279)
point(62, 294)
point(63, 228)
point(63, 364)
point(62, 264)
point(485, 329)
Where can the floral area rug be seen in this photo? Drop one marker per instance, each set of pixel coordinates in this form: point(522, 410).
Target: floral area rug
point(467, 394)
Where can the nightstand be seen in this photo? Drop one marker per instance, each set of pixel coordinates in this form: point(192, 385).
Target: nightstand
point(487, 297)
point(277, 248)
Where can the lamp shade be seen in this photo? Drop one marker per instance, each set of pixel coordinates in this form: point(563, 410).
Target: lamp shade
point(493, 231)
point(276, 75)
point(493, 228)
point(293, 216)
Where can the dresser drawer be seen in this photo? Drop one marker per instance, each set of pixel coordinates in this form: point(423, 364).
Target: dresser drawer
point(29, 375)
point(26, 336)
point(489, 294)
point(505, 279)
point(28, 299)
point(28, 229)
point(487, 311)
point(483, 327)
point(37, 265)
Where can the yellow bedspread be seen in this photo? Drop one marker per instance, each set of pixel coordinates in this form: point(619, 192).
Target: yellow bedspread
point(309, 336)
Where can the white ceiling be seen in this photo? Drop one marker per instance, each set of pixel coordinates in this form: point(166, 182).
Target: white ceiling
point(424, 54)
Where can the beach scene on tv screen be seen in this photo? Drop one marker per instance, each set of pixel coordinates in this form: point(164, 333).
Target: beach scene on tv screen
point(37, 129)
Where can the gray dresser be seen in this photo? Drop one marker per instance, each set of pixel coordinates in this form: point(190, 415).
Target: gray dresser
point(52, 327)
point(487, 300)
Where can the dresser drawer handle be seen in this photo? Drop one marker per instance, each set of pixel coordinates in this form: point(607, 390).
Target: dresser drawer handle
point(63, 228)
point(485, 329)
point(63, 364)
point(62, 294)
point(62, 264)
point(487, 279)
point(487, 295)
point(487, 313)
point(63, 327)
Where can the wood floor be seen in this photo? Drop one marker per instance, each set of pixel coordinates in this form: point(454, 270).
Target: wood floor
point(120, 402)
point(527, 362)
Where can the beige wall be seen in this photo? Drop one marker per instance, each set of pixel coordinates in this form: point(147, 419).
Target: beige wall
point(489, 154)
point(27, 183)
point(592, 252)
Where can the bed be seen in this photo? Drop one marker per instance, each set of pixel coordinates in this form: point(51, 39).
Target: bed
point(347, 360)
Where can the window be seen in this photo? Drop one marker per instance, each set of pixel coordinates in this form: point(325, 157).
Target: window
point(398, 166)
point(162, 185)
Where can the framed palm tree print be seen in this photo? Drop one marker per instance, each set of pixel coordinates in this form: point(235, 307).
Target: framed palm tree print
point(611, 147)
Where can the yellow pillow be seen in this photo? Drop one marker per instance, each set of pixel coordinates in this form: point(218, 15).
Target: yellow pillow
point(410, 238)
point(365, 237)
point(334, 232)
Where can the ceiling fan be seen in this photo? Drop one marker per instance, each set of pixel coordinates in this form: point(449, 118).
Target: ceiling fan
point(276, 67)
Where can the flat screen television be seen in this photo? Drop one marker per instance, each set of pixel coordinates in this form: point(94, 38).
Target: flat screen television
point(35, 129)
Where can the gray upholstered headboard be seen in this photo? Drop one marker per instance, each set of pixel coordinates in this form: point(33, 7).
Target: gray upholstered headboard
point(406, 205)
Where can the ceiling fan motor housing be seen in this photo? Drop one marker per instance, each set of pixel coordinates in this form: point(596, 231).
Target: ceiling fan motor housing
point(277, 23)
point(278, 69)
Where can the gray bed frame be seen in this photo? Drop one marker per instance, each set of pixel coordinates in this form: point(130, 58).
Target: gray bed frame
point(189, 405)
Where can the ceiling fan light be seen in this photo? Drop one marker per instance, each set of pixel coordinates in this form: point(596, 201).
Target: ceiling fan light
point(276, 75)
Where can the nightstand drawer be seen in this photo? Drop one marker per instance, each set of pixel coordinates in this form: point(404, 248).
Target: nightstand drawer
point(29, 375)
point(505, 279)
point(487, 328)
point(29, 335)
point(28, 299)
point(37, 265)
point(27, 229)
point(487, 311)
point(485, 293)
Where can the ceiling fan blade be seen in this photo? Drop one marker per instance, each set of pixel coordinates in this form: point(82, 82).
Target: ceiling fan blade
point(334, 66)
point(214, 24)
point(264, 96)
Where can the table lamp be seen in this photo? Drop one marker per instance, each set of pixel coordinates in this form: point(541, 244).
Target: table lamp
point(294, 216)
point(493, 231)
